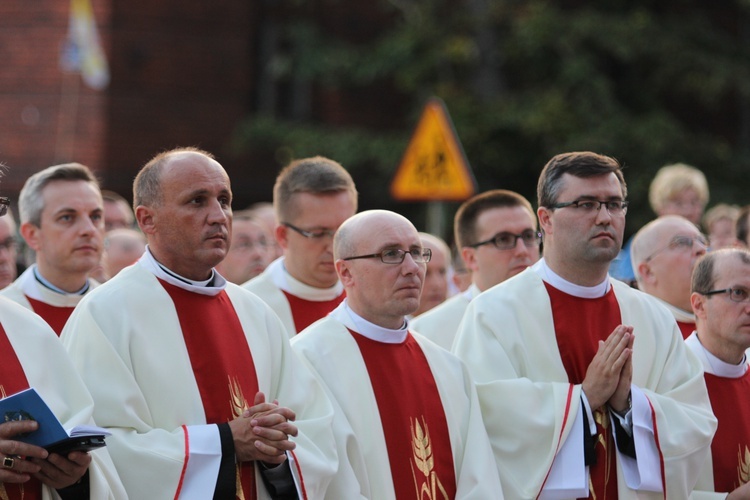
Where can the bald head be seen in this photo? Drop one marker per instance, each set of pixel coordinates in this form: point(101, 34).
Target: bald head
point(664, 254)
point(381, 293)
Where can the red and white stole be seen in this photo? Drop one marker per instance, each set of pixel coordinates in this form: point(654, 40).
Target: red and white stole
point(685, 328)
point(580, 323)
point(414, 423)
point(221, 361)
point(55, 316)
point(13, 380)
point(730, 449)
point(306, 312)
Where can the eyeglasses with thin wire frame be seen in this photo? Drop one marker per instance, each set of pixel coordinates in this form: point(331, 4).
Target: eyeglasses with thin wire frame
point(397, 256)
point(614, 207)
point(681, 242)
point(737, 294)
point(508, 241)
point(313, 235)
point(4, 204)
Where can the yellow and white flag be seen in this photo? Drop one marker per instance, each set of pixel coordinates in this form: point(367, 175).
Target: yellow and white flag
point(83, 50)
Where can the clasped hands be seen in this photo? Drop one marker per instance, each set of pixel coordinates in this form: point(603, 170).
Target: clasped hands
point(610, 372)
point(22, 461)
point(262, 432)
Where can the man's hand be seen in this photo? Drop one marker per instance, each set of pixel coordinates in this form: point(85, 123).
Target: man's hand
point(604, 372)
point(619, 400)
point(13, 468)
point(59, 471)
point(741, 493)
point(262, 432)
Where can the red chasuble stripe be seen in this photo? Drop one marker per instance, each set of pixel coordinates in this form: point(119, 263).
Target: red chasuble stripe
point(13, 380)
point(579, 326)
point(55, 316)
point(414, 423)
point(686, 329)
point(730, 449)
point(221, 360)
point(306, 312)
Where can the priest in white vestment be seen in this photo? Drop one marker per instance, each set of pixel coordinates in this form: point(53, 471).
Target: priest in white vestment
point(194, 376)
point(311, 198)
point(586, 387)
point(497, 235)
point(414, 424)
point(32, 356)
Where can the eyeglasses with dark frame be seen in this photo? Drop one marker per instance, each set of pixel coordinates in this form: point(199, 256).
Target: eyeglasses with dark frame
point(508, 241)
point(313, 235)
point(397, 256)
point(4, 204)
point(738, 294)
point(680, 242)
point(614, 207)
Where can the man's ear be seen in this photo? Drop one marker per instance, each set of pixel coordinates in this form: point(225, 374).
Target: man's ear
point(698, 303)
point(645, 272)
point(545, 219)
point(344, 272)
point(281, 234)
point(468, 254)
point(146, 219)
point(30, 234)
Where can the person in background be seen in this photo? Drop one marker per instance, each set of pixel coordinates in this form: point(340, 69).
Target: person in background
point(186, 369)
point(62, 220)
point(414, 426)
point(118, 213)
point(498, 237)
point(606, 400)
point(312, 198)
point(32, 356)
point(123, 247)
point(8, 250)
point(665, 252)
point(250, 251)
point(435, 288)
point(264, 213)
point(719, 223)
point(677, 189)
point(721, 301)
point(742, 227)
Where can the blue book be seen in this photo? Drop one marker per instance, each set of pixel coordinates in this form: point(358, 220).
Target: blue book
point(29, 405)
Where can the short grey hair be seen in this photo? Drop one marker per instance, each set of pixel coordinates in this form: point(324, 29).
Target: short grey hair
point(147, 184)
point(30, 201)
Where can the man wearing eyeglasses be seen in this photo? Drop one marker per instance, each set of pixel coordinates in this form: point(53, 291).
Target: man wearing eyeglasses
point(497, 234)
point(62, 220)
point(250, 251)
point(410, 425)
point(664, 253)
point(8, 252)
point(312, 198)
point(721, 301)
point(586, 386)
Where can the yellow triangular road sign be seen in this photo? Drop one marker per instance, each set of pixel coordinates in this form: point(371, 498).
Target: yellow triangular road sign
point(434, 167)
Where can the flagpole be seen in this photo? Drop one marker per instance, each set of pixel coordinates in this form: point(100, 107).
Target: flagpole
point(67, 116)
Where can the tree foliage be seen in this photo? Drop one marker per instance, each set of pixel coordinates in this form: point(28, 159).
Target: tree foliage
point(647, 82)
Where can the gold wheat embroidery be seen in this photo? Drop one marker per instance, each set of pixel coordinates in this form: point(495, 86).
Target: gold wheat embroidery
point(601, 417)
point(238, 404)
point(425, 463)
point(743, 466)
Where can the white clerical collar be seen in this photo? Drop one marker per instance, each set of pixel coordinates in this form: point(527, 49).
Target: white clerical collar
point(585, 292)
point(282, 279)
point(344, 314)
point(679, 314)
point(212, 286)
point(712, 364)
point(50, 286)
